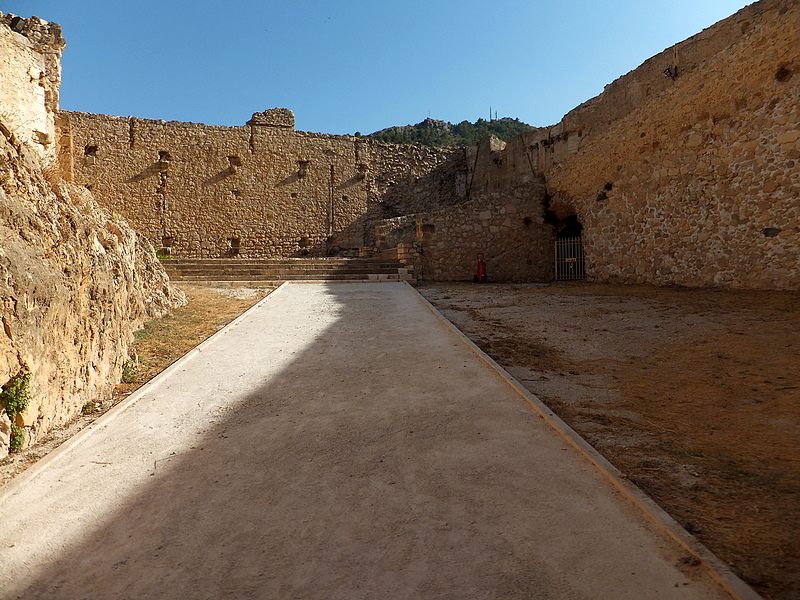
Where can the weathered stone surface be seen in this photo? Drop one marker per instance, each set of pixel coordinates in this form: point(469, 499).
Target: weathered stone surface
point(684, 156)
point(74, 278)
point(31, 75)
point(277, 191)
point(74, 282)
point(275, 117)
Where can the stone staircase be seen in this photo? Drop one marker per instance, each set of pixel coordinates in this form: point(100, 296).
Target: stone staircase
point(273, 271)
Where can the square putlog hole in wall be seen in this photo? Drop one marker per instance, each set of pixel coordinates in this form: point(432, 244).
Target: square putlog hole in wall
point(89, 155)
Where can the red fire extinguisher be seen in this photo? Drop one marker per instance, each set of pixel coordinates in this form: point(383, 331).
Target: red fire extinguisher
point(481, 276)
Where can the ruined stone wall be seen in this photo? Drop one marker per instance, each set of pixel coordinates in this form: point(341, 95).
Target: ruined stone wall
point(30, 75)
point(474, 203)
point(689, 179)
point(441, 187)
point(683, 171)
point(74, 279)
point(508, 231)
point(262, 190)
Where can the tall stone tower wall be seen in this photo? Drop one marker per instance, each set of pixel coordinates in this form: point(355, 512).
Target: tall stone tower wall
point(685, 171)
point(30, 75)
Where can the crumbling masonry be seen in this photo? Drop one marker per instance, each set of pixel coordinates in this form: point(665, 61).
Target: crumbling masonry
point(684, 171)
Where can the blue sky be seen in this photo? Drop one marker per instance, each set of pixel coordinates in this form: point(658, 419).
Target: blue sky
point(357, 65)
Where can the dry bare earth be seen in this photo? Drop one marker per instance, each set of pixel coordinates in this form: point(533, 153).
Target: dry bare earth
point(693, 394)
point(157, 344)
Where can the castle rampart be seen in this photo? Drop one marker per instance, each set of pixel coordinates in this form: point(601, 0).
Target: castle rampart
point(686, 170)
point(262, 190)
point(30, 53)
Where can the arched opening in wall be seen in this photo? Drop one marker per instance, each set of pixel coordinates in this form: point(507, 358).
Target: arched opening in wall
point(570, 264)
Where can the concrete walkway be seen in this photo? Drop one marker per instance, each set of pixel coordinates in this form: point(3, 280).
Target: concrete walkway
point(336, 442)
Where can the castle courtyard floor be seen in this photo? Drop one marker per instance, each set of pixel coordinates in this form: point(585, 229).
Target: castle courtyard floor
point(335, 442)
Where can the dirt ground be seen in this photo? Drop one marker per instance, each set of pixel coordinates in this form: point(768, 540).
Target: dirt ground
point(339, 443)
point(157, 344)
point(693, 394)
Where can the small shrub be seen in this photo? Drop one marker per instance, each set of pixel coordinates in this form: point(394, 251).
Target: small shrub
point(15, 398)
point(89, 407)
point(16, 395)
point(17, 440)
point(130, 370)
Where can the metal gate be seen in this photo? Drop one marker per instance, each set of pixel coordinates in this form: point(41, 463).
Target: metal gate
point(569, 259)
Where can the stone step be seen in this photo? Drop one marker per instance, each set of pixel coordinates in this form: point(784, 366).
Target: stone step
point(280, 271)
point(228, 277)
point(277, 270)
point(270, 261)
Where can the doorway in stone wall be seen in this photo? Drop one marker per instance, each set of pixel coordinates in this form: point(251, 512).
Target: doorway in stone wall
point(570, 263)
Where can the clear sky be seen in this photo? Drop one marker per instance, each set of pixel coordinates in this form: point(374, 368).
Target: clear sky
point(356, 65)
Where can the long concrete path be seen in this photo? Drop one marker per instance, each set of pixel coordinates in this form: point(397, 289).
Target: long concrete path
point(337, 441)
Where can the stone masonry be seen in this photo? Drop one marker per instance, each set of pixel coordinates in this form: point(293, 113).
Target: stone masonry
point(31, 75)
point(259, 191)
point(682, 172)
point(75, 280)
point(685, 171)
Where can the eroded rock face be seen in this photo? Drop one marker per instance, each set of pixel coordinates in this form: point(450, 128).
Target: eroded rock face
point(75, 281)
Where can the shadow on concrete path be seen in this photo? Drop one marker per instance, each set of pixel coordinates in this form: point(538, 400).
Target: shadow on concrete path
point(337, 442)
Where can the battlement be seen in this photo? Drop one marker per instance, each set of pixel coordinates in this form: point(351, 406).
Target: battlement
point(282, 118)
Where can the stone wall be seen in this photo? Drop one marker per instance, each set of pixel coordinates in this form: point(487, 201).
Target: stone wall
point(474, 203)
point(508, 232)
point(685, 171)
point(74, 279)
point(262, 190)
point(30, 75)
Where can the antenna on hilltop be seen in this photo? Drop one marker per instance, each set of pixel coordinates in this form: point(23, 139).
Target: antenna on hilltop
point(490, 112)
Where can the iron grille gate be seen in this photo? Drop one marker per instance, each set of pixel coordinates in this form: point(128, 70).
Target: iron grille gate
point(569, 259)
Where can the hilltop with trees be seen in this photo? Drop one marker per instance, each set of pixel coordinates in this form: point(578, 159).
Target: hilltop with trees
point(431, 132)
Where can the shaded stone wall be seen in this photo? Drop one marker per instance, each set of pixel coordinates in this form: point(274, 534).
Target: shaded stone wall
point(262, 190)
point(474, 203)
point(514, 245)
point(689, 179)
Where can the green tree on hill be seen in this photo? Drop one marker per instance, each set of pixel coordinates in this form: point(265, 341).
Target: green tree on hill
point(431, 132)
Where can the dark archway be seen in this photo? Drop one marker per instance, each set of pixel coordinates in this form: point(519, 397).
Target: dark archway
point(569, 228)
point(570, 263)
